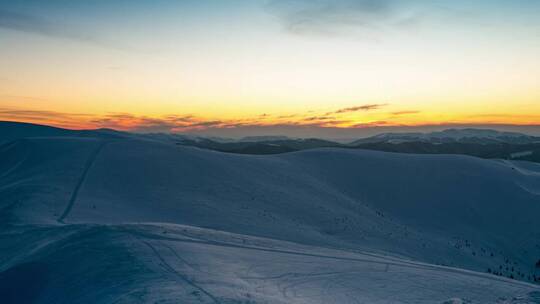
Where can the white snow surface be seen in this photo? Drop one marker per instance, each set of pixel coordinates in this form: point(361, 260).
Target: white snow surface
point(116, 219)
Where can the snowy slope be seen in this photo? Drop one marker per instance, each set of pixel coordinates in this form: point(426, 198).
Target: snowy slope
point(183, 264)
point(318, 226)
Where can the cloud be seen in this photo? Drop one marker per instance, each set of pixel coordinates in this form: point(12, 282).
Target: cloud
point(166, 123)
point(318, 118)
point(58, 118)
point(399, 113)
point(42, 26)
point(297, 126)
point(144, 124)
point(364, 108)
point(39, 115)
point(334, 17)
point(287, 116)
point(181, 123)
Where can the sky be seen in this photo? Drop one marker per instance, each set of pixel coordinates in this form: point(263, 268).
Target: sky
point(257, 67)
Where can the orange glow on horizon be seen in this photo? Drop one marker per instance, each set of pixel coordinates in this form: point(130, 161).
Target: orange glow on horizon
point(363, 116)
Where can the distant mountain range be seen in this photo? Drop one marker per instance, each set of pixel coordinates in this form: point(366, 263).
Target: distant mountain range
point(483, 143)
point(472, 136)
point(475, 142)
point(273, 146)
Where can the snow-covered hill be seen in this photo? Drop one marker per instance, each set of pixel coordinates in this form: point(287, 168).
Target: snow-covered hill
point(118, 219)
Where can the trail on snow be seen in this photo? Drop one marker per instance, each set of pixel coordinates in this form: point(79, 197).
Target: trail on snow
point(182, 277)
point(86, 169)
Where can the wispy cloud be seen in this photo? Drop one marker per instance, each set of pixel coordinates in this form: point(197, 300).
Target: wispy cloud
point(364, 108)
point(60, 119)
point(297, 125)
point(332, 17)
point(185, 122)
point(400, 113)
point(188, 123)
point(319, 118)
point(287, 116)
point(34, 24)
point(169, 123)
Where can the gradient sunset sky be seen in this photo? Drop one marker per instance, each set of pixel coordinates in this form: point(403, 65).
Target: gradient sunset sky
point(244, 67)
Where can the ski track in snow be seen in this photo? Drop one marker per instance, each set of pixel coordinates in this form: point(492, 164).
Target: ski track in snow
point(86, 169)
point(178, 275)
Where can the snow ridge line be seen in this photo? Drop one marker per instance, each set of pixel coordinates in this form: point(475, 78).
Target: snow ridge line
point(75, 193)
